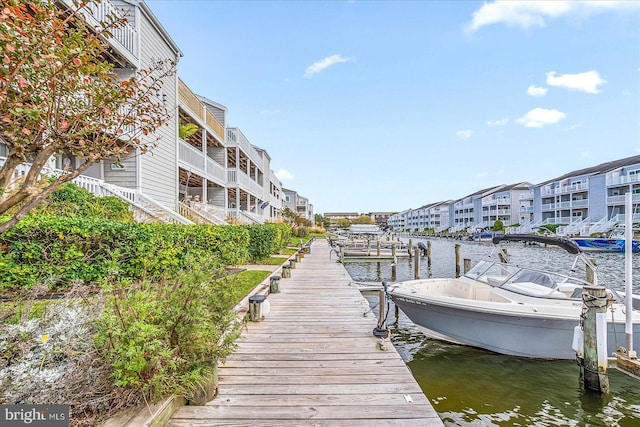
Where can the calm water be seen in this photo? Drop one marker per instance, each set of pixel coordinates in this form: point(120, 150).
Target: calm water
point(473, 387)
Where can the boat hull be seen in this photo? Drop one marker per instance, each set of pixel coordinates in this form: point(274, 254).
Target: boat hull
point(589, 244)
point(504, 333)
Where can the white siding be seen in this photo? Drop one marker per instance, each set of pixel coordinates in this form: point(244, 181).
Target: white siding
point(158, 175)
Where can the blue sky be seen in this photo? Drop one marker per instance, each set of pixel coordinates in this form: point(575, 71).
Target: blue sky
point(384, 106)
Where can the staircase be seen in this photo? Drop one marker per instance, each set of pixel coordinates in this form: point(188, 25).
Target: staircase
point(573, 228)
point(145, 209)
point(603, 226)
point(201, 213)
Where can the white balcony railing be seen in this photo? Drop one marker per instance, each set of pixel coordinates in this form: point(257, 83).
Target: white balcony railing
point(191, 156)
point(619, 200)
point(124, 38)
point(622, 179)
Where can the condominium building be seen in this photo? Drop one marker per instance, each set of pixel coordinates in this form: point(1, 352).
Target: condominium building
point(201, 170)
point(298, 204)
point(584, 201)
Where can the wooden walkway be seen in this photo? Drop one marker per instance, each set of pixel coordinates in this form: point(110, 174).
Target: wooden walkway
point(313, 361)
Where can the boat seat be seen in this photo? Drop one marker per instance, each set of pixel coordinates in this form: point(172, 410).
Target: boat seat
point(535, 277)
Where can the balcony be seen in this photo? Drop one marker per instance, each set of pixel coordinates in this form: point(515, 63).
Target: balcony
point(124, 39)
point(619, 200)
point(242, 180)
point(564, 189)
point(236, 138)
point(622, 179)
point(196, 161)
point(487, 201)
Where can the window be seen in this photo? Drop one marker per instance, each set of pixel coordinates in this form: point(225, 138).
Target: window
point(286, 198)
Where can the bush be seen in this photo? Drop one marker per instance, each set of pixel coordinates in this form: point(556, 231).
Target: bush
point(166, 337)
point(73, 201)
point(267, 239)
point(59, 251)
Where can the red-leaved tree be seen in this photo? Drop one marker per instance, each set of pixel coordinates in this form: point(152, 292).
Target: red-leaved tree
point(59, 94)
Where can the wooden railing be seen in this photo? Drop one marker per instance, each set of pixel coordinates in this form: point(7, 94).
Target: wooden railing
point(215, 125)
point(190, 100)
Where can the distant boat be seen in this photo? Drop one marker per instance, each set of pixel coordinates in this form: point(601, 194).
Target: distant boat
point(484, 236)
point(614, 243)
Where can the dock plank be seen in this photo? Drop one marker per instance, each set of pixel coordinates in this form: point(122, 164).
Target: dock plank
point(313, 361)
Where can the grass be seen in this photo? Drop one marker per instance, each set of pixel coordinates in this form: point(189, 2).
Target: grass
point(271, 261)
point(288, 251)
point(245, 281)
point(12, 311)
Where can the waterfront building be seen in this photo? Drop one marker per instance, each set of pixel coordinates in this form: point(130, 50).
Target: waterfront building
point(589, 200)
point(201, 170)
point(298, 204)
point(503, 204)
point(380, 218)
point(582, 202)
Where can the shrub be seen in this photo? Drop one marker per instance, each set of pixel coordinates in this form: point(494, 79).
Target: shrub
point(71, 200)
point(166, 337)
point(59, 250)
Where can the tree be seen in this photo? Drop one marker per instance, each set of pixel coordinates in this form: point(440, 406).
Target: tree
point(58, 94)
point(363, 219)
point(343, 222)
point(322, 221)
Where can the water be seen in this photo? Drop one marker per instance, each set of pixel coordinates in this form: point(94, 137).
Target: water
point(473, 387)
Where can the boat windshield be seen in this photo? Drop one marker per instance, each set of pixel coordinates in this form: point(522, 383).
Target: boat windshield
point(492, 273)
point(526, 281)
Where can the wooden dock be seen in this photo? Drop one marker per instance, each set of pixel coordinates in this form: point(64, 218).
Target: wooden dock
point(313, 361)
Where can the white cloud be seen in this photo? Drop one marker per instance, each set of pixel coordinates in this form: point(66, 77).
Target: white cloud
point(536, 91)
point(526, 14)
point(323, 64)
point(284, 175)
point(464, 134)
point(500, 122)
point(585, 82)
point(538, 117)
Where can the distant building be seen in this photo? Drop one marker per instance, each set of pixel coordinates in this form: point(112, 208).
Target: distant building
point(298, 204)
point(380, 218)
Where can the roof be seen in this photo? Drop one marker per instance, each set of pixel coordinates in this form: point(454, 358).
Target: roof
point(597, 170)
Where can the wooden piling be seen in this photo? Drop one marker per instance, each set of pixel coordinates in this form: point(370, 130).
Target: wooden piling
point(593, 367)
point(341, 254)
point(467, 265)
point(410, 248)
point(416, 264)
point(379, 248)
point(591, 275)
point(457, 250)
point(429, 254)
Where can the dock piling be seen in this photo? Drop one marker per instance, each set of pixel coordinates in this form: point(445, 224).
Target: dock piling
point(457, 251)
point(467, 265)
point(381, 331)
point(593, 367)
point(416, 264)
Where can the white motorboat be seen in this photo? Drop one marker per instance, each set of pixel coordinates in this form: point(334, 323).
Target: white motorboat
point(510, 309)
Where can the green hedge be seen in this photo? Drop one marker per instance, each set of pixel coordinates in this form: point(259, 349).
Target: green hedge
point(267, 239)
point(60, 250)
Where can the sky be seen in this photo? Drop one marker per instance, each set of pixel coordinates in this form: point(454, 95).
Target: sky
point(370, 106)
